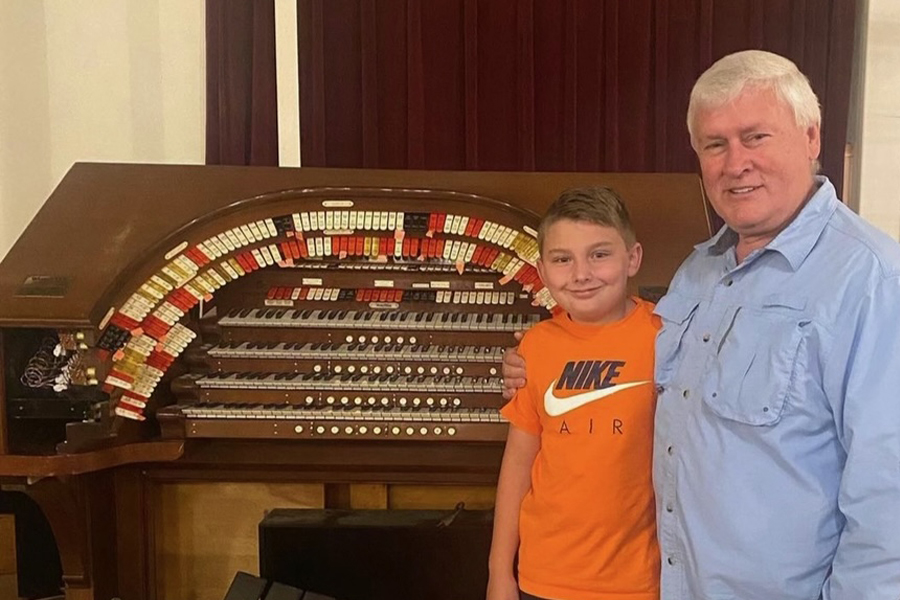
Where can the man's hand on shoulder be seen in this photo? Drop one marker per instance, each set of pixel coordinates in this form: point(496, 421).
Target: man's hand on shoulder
point(513, 370)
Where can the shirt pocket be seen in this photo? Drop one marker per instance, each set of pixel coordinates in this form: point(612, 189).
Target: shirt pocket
point(750, 376)
point(676, 312)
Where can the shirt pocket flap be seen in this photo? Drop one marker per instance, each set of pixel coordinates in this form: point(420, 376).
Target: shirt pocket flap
point(675, 308)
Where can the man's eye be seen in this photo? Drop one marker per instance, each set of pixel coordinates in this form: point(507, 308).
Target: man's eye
point(713, 146)
point(561, 259)
point(600, 254)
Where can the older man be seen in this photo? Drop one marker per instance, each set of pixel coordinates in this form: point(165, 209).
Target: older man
point(777, 452)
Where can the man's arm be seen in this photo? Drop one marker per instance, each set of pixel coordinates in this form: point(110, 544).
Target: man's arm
point(515, 480)
point(864, 376)
point(513, 371)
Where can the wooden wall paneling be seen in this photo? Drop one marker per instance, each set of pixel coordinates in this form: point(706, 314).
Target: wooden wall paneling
point(133, 533)
point(470, 81)
point(207, 530)
point(441, 496)
point(635, 82)
point(590, 115)
point(369, 496)
point(525, 79)
point(611, 87)
point(343, 83)
point(497, 86)
point(391, 108)
point(835, 98)
point(549, 83)
point(4, 424)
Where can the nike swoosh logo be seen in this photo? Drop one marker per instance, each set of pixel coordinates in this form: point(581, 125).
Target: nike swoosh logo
point(556, 406)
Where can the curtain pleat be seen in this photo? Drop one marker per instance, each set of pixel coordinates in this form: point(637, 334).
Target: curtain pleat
point(575, 85)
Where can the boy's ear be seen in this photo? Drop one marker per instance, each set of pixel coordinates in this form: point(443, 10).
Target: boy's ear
point(540, 269)
point(635, 255)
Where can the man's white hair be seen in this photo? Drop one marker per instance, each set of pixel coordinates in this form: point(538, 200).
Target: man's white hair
point(730, 75)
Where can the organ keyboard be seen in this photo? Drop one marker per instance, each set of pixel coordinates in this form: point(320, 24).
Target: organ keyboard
point(337, 331)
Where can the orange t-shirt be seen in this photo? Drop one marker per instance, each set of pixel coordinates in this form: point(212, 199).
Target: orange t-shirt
point(587, 526)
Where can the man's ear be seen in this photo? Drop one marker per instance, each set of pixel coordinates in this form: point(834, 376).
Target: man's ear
point(635, 255)
point(814, 142)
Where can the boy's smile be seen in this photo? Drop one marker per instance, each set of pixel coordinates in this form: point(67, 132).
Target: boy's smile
point(586, 267)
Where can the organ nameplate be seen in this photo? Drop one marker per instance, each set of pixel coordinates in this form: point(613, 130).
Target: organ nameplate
point(311, 281)
point(337, 203)
point(176, 250)
point(484, 285)
point(439, 285)
point(384, 283)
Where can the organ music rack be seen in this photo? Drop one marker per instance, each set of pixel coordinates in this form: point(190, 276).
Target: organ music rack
point(334, 326)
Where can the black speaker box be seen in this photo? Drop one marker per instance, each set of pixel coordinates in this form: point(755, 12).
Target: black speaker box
point(378, 554)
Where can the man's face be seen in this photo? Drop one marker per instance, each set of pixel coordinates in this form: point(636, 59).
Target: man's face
point(586, 268)
point(757, 163)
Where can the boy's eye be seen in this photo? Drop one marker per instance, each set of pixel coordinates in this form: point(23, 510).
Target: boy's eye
point(561, 259)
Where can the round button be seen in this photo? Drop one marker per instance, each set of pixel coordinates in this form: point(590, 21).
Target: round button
point(670, 450)
point(349, 339)
point(357, 401)
point(407, 370)
point(376, 430)
point(363, 429)
point(446, 370)
point(387, 339)
point(389, 369)
point(410, 430)
point(429, 401)
point(338, 368)
point(376, 370)
point(361, 339)
point(364, 369)
point(438, 431)
point(686, 393)
point(329, 400)
point(310, 400)
point(385, 401)
point(416, 402)
point(412, 340)
point(729, 283)
point(451, 431)
point(345, 401)
point(320, 429)
point(433, 370)
point(317, 369)
point(402, 401)
point(671, 560)
point(670, 508)
point(457, 402)
point(400, 339)
point(374, 339)
point(420, 370)
point(298, 429)
point(348, 430)
point(395, 430)
point(423, 431)
point(444, 402)
point(705, 337)
point(371, 401)
point(351, 369)
point(335, 429)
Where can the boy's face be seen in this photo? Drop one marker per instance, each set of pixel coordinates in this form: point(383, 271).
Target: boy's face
point(586, 268)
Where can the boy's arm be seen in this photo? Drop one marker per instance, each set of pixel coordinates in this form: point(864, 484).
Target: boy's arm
point(515, 479)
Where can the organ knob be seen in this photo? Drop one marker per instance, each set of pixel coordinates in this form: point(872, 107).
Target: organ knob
point(348, 430)
point(410, 430)
point(320, 429)
point(363, 429)
point(298, 429)
point(438, 431)
point(423, 431)
point(329, 400)
point(335, 429)
point(412, 339)
point(395, 430)
point(376, 430)
point(451, 431)
point(459, 370)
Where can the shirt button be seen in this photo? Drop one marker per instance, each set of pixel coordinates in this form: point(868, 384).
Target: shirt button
point(705, 337)
point(686, 393)
point(671, 560)
point(670, 450)
point(670, 508)
point(729, 283)
point(660, 389)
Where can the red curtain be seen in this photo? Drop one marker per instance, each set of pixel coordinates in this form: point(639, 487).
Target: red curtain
point(588, 85)
point(241, 100)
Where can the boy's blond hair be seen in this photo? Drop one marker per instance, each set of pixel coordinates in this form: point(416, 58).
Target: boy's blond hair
point(598, 205)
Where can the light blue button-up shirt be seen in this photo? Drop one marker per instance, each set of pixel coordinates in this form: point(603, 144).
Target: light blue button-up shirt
point(777, 454)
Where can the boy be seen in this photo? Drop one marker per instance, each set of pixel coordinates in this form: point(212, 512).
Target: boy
point(575, 495)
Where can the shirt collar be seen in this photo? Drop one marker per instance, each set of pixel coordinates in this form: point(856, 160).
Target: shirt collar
point(797, 239)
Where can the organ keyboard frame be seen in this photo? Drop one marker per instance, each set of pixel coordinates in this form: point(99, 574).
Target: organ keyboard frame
point(212, 324)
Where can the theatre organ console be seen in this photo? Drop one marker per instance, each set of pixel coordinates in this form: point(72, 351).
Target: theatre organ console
point(166, 323)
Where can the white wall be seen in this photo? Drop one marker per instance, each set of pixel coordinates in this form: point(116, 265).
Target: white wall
point(879, 147)
point(94, 80)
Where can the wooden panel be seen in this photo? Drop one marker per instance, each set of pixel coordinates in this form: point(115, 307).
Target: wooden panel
point(440, 496)
point(204, 532)
point(7, 544)
point(368, 495)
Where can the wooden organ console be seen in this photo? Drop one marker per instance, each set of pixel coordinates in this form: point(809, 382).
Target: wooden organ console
point(166, 328)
